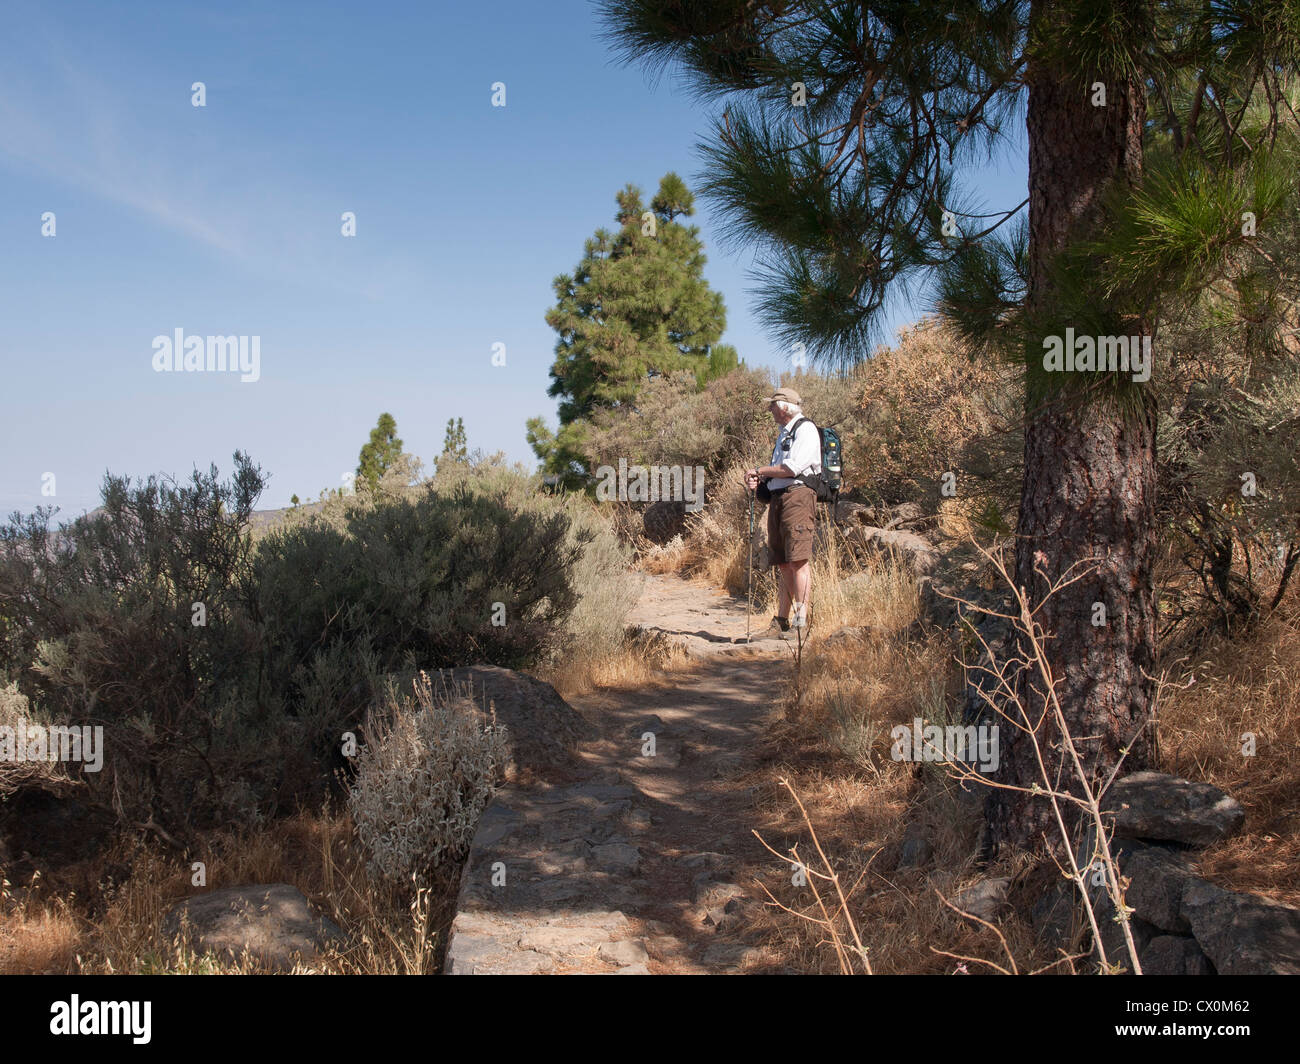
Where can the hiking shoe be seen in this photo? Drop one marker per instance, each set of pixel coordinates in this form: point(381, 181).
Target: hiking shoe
point(778, 629)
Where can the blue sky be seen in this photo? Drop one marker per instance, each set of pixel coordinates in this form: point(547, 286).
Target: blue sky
point(225, 220)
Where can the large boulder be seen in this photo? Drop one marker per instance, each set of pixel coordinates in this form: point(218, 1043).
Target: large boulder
point(273, 924)
point(1157, 882)
point(1174, 955)
point(1155, 805)
point(542, 729)
point(915, 550)
point(1241, 933)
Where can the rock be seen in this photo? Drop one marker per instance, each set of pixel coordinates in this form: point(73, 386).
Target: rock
point(708, 892)
point(730, 955)
point(558, 891)
point(852, 513)
point(541, 728)
point(1158, 878)
point(626, 952)
point(708, 859)
point(850, 634)
point(1174, 955)
point(1112, 932)
point(273, 923)
point(1154, 805)
point(1054, 916)
point(985, 899)
point(913, 549)
point(916, 852)
point(1243, 934)
point(569, 859)
point(633, 969)
point(616, 857)
point(525, 962)
point(663, 520)
point(482, 955)
point(637, 820)
point(555, 940)
point(905, 513)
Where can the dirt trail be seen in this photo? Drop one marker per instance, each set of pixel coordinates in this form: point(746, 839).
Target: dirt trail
point(642, 864)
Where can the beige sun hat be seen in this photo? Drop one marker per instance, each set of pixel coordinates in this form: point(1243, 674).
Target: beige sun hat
point(783, 395)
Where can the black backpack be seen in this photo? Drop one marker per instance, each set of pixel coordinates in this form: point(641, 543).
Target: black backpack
point(826, 483)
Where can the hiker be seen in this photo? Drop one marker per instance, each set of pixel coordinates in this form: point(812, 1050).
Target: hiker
point(792, 508)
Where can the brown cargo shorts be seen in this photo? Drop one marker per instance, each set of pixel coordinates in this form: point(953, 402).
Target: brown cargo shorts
point(790, 518)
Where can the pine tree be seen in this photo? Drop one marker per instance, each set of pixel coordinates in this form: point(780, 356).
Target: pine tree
point(453, 442)
point(380, 452)
point(637, 305)
point(1153, 129)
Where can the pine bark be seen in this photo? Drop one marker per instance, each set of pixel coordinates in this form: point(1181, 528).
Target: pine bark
point(1089, 481)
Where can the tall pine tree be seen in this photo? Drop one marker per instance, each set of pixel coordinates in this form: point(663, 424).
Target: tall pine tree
point(847, 129)
point(636, 306)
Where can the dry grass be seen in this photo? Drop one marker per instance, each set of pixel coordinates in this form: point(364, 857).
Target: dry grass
point(899, 913)
point(645, 659)
point(670, 557)
point(117, 927)
point(712, 547)
point(1248, 684)
point(833, 746)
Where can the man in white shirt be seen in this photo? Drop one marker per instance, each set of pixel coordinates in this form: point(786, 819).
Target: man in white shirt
point(792, 512)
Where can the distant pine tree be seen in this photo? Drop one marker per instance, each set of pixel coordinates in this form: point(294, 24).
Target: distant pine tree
point(637, 306)
point(454, 442)
point(380, 452)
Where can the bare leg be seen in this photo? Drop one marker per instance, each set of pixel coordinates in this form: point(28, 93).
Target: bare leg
point(801, 581)
point(786, 590)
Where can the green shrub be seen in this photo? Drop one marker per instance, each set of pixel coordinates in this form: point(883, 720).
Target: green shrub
point(449, 579)
point(135, 617)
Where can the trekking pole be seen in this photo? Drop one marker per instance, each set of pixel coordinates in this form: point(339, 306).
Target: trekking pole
point(749, 571)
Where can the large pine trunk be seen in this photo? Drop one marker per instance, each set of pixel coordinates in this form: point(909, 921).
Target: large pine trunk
point(1089, 483)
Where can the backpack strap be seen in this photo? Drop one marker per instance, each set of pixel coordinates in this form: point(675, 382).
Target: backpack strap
point(794, 429)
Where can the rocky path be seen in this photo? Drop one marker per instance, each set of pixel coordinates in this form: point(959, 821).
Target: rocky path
point(644, 862)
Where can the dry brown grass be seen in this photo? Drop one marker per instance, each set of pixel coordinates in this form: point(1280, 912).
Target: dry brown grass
point(712, 547)
point(1250, 683)
point(118, 928)
point(645, 659)
point(834, 745)
point(670, 557)
point(36, 938)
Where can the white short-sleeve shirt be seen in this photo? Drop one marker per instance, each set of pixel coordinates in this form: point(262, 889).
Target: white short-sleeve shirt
point(803, 454)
